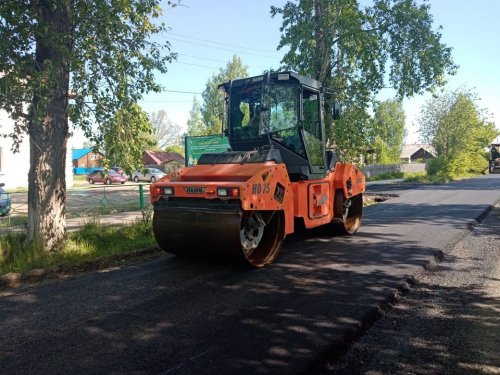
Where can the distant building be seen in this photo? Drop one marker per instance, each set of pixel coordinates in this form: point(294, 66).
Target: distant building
point(166, 161)
point(86, 158)
point(412, 153)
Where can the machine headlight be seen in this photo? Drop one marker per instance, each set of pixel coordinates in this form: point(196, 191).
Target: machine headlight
point(165, 190)
point(228, 192)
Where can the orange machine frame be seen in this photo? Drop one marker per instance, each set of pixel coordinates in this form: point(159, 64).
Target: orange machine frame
point(266, 186)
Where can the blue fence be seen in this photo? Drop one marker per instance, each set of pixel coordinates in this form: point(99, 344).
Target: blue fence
point(79, 171)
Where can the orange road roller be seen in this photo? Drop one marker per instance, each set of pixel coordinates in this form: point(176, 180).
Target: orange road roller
point(240, 204)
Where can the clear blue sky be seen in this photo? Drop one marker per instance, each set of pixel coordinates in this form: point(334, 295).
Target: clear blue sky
point(207, 33)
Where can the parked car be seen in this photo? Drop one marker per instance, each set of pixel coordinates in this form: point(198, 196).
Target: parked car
point(4, 201)
point(108, 178)
point(117, 170)
point(150, 174)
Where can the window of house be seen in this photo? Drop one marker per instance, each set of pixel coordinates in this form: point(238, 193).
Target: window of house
point(92, 157)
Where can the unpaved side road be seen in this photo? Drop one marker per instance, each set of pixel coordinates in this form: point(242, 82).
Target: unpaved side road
point(449, 323)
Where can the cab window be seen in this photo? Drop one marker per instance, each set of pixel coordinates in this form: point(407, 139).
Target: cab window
point(311, 112)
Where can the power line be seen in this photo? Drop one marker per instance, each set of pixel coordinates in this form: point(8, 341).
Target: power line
point(223, 44)
point(220, 61)
point(219, 48)
point(201, 66)
point(183, 92)
point(165, 101)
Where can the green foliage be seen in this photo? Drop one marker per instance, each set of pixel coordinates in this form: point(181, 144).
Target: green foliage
point(15, 253)
point(92, 241)
point(13, 221)
point(350, 133)
point(425, 178)
point(388, 132)
point(418, 177)
point(105, 47)
point(88, 61)
point(387, 176)
point(175, 148)
point(349, 47)
point(381, 151)
point(207, 118)
point(125, 138)
point(459, 131)
point(195, 122)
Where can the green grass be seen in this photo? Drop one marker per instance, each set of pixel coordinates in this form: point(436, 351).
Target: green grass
point(419, 178)
point(424, 178)
point(92, 241)
point(407, 176)
point(387, 176)
point(105, 210)
point(14, 221)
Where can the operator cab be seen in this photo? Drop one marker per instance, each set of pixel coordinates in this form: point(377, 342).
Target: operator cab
point(282, 111)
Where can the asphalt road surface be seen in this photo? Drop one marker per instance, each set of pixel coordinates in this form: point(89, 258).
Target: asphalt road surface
point(178, 316)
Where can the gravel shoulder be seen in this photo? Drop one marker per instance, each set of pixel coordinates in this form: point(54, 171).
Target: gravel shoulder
point(449, 322)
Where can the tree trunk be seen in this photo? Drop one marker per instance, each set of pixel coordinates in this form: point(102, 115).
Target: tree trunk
point(323, 64)
point(320, 45)
point(48, 127)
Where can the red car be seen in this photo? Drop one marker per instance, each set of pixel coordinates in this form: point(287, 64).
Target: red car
point(108, 178)
point(117, 169)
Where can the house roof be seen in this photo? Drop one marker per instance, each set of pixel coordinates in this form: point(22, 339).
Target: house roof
point(409, 150)
point(79, 152)
point(161, 157)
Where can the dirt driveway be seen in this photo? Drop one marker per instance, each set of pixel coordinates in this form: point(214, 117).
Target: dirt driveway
point(85, 198)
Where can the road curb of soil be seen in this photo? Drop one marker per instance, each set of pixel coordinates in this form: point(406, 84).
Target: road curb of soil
point(16, 279)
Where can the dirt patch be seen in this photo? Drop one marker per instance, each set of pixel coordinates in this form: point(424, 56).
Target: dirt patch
point(372, 198)
point(16, 279)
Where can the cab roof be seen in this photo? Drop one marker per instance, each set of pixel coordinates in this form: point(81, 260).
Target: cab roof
point(274, 77)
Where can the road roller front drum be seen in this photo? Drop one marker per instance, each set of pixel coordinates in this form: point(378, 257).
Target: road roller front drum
point(254, 237)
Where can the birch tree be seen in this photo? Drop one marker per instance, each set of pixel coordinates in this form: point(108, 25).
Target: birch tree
point(356, 51)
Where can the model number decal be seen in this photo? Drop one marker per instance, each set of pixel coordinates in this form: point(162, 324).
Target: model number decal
point(261, 188)
point(194, 190)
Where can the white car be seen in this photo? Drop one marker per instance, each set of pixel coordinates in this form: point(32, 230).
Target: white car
point(150, 174)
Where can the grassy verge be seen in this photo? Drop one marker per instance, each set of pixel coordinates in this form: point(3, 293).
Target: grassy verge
point(386, 176)
point(14, 221)
point(79, 177)
point(424, 178)
point(92, 241)
point(22, 219)
point(420, 177)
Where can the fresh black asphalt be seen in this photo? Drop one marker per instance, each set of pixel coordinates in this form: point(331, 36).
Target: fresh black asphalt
point(180, 316)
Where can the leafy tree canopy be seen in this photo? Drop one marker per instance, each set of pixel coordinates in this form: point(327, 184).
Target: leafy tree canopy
point(175, 148)
point(87, 60)
point(352, 49)
point(388, 132)
point(125, 137)
point(195, 124)
point(459, 131)
point(209, 119)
